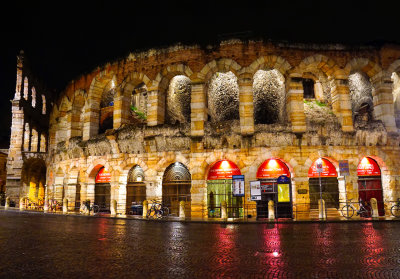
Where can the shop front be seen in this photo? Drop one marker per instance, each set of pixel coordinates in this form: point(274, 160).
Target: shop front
point(102, 190)
point(370, 183)
point(280, 192)
point(323, 170)
point(135, 191)
point(219, 189)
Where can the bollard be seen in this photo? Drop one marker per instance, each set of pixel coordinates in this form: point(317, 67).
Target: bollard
point(46, 205)
point(321, 209)
point(145, 207)
point(22, 204)
point(223, 210)
point(113, 208)
point(182, 210)
point(7, 205)
point(65, 206)
point(271, 210)
point(374, 208)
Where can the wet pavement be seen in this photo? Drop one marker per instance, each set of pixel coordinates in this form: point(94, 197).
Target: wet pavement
point(38, 245)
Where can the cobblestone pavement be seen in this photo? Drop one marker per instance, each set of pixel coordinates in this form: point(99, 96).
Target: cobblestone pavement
point(35, 245)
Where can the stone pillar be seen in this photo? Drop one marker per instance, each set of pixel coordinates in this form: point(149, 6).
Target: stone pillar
point(223, 210)
point(27, 137)
point(42, 143)
point(91, 119)
point(121, 110)
point(46, 205)
point(341, 104)
point(295, 105)
point(71, 195)
point(121, 199)
point(246, 106)
point(34, 141)
point(271, 210)
point(145, 207)
point(374, 208)
point(198, 114)
point(65, 206)
point(58, 192)
point(383, 102)
point(90, 191)
point(321, 209)
point(182, 209)
point(155, 107)
point(113, 207)
point(7, 205)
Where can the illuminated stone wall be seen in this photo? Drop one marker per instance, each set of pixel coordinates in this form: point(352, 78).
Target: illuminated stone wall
point(242, 102)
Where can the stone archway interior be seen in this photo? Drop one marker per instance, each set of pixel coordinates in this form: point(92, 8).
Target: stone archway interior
point(178, 100)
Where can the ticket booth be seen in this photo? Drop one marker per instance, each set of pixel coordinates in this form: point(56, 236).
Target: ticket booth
point(370, 183)
point(219, 189)
point(102, 190)
point(281, 193)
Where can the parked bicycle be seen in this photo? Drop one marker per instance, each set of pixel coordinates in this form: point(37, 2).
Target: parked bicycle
point(157, 210)
point(395, 209)
point(348, 209)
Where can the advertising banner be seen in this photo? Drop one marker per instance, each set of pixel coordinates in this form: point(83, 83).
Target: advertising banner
point(368, 167)
point(238, 185)
point(344, 167)
point(255, 190)
point(103, 176)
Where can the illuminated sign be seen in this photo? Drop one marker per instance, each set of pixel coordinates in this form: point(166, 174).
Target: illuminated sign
point(328, 169)
point(272, 168)
point(223, 169)
point(368, 167)
point(283, 193)
point(103, 176)
point(238, 185)
point(255, 190)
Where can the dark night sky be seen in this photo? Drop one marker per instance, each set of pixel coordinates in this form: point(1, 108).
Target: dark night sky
point(63, 39)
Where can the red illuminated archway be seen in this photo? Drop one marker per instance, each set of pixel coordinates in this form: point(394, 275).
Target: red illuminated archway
point(223, 169)
point(368, 167)
point(103, 176)
point(328, 169)
point(272, 168)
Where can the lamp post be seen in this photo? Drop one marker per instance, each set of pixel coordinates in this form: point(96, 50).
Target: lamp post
point(320, 170)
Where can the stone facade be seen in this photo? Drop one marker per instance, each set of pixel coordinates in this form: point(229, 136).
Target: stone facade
point(306, 129)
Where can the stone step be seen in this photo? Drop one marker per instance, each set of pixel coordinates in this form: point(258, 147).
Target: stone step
point(332, 213)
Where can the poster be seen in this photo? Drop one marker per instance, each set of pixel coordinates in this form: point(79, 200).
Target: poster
point(255, 190)
point(238, 185)
point(283, 193)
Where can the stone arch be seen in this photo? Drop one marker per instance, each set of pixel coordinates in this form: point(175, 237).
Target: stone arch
point(268, 62)
point(318, 61)
point(64, 110)
point(212, 158)
point(92, 115)
point(164, 77)
point(265, 155)
point(128, 165)
point(221, 65)
point(362, 64)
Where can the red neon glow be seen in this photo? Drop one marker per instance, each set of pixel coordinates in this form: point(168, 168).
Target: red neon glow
point(368, 167)
point(103, 176)
point(223, 169)
point(328, 169)
point(272, 168)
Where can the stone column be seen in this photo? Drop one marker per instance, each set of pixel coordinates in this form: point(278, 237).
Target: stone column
point(27, 137)
point(246, 106)
point(91, 119)
point(34, 141)
point(155, 107)
point(71, 196)
point(198, 194)
point(121, 198)
point(383, 102)
point(295, 105)
point(42, 143)
point(90, 191)
point(341, 104)
point(198, 113)
point(121, 110)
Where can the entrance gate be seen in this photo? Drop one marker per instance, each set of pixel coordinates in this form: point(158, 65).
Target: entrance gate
point(176, 188)
point(135, 189)
point(221, 190)
point(102, 190)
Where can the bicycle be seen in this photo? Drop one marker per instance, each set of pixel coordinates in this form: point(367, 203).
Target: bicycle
point(348, 209)
point(157, 210)
point(95, 208)
point(395, 209)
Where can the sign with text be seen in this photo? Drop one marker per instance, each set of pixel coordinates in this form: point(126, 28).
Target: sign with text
point(344, 167)
point(368, 167)
point(238, 185)
point(223, 169)
point(103, 176)
point(255, 190)
point(328, 169)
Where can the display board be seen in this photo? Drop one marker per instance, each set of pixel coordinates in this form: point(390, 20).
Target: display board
point(255, 190)
point(238, 185)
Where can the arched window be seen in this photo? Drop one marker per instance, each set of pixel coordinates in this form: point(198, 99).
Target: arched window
point(308, 87)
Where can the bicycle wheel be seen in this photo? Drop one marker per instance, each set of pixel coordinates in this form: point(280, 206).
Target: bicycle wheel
point(347, 211)
point(159, 214)
point(96, 208)
point(166, 211)
point(365, 211)
point(395, 210)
